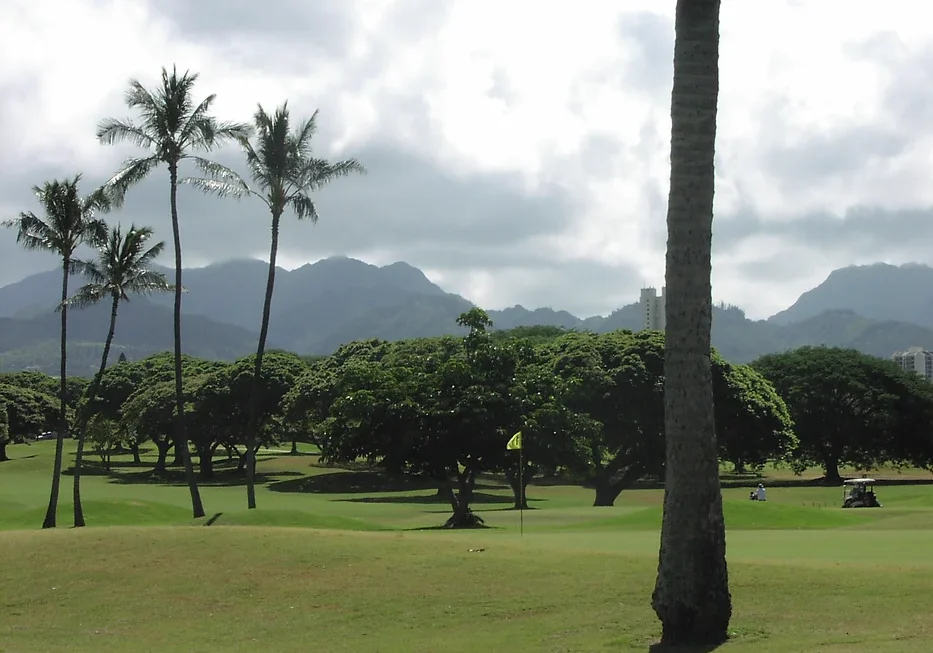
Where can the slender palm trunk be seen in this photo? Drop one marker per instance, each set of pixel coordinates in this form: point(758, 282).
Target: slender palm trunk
point(253, 430)
point(81, 426)
point(691, 597)
point(51, 514)
point(181, 441)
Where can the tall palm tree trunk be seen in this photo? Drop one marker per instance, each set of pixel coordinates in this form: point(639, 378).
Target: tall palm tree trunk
point(81, 426)
point(253, 430)
point(691, 597)
point(181, 441)
point(52, 511)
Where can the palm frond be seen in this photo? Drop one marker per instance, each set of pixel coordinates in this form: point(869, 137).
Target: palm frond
point(111, 130)
point(32, 232)
point(133, 171)
point(87, 295)
point(305, 132)
point(96, 233)
point(147, 282)
point(90, 270)
point(303, 207)
point(217, 187)
point(320, 172)
point(222, 181)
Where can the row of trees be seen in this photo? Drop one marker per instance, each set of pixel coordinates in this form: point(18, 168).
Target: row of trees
point(172, 128)
point(590, 408)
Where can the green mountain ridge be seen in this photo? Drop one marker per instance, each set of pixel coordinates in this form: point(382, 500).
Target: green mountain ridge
point(877, 309)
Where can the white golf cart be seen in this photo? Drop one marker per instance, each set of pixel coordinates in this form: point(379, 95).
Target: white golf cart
point(859, 493)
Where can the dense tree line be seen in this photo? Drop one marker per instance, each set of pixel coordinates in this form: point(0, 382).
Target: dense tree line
point(590, 407)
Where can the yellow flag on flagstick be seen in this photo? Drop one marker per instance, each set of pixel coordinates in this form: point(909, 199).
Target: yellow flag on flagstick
point(515, 443)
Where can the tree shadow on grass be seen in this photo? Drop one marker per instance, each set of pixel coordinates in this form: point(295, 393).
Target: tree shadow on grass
point(667, 648)
point(479, 498)
point(358, 482)
point(477, 527)
point(176, 478)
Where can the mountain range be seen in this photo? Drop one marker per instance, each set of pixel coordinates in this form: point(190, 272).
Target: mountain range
point(877, 309)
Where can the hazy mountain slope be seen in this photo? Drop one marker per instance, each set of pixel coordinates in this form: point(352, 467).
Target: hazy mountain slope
point(880, 292)
point(319, 306)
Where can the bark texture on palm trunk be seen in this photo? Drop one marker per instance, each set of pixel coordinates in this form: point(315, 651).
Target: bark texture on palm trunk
point(691, 596)
point(51, 513)
point(181, 440)
point(81, 429)
point(253, 430)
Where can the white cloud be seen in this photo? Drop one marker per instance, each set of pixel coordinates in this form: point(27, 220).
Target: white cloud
point(522, 86)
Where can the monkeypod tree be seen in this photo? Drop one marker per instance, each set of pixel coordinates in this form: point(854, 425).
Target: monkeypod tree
point(851, 409)
point(753, 425)
point(26, 413)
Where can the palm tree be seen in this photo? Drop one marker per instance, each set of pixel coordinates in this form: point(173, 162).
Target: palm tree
point(70, 221)
point(123, 267)
point(172, 128)
point(691, 596)
point(286, 174)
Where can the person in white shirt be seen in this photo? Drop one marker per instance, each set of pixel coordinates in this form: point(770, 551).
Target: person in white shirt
point(761, 495)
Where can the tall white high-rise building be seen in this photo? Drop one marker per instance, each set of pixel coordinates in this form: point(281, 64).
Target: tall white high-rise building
point(652, 309)
point(916, 359)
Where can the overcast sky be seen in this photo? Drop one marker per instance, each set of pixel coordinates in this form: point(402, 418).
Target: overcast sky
point(517, 149)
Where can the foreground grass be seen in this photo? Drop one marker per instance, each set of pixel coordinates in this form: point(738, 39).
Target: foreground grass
point(238, 589)
point(359, 575)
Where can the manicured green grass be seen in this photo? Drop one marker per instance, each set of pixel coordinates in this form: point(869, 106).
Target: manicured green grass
point(337, 560)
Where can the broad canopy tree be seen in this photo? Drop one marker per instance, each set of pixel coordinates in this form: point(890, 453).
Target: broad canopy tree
point(588, 405)
point(852, 409)
point(617, 379)
point(27, 412)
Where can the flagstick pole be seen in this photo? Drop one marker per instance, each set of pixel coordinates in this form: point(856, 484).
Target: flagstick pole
point(521, 494)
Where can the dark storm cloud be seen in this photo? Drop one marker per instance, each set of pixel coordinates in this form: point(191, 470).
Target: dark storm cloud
point(292, 36)
point(313, 26)
point(840, 154)
point(774, 268)
point(404, 204)
point(862, 230)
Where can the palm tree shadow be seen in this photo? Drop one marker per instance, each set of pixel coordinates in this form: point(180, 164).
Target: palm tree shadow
point(668, 648)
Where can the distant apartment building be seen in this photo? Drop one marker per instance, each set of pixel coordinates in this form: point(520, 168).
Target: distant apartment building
point(652, 309)
point(916, 359)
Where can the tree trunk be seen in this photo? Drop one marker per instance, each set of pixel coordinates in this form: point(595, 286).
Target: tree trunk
point(135, 449)
point(51, 514)
point(3, 456)
point(831, 475)
point(206, 463)
point(162, 446)
point(739, 467)
point(463, 516)
point(519, 485)
point(691, 597)
point(181, 441)
point(294, 451)
point(610, 482)
point(177, 459)
point(606, 493)
point(253, 429)
point(85, 416)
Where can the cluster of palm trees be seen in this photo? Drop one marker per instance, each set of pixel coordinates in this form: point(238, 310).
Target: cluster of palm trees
point(171, 128)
